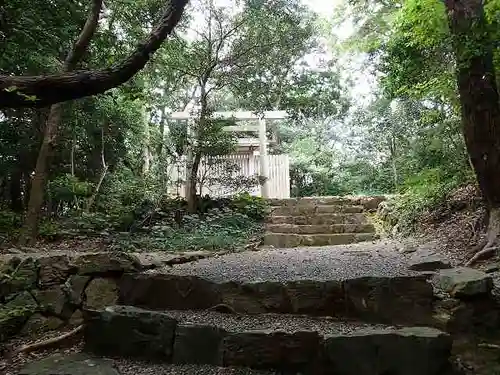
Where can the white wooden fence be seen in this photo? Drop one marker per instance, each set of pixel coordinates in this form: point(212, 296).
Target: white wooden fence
point(216, 169)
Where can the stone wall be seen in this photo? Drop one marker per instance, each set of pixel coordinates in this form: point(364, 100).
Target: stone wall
point(41, 292)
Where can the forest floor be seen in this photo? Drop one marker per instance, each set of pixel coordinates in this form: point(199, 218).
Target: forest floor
point(455, 227)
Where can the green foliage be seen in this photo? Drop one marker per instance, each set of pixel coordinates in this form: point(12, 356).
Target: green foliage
point(215, 230)
point(249, 206)
point(66, 188)
point(425, 191)
point(9, 220)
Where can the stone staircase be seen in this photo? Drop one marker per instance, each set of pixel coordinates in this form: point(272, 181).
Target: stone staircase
point(297, 311)
point(347, 310)
point(319, 221)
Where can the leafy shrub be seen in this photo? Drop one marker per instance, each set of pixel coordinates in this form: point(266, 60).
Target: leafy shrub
point(9, 220)
point(216, 230)
point(253, 207)
point(68, 189)
point(424, 192)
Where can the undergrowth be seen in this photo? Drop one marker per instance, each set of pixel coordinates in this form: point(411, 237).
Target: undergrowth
point(424, 193)
point(165, 225)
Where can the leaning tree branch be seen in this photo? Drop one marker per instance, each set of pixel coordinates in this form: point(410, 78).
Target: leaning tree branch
point(86, 35)
point(39, 91)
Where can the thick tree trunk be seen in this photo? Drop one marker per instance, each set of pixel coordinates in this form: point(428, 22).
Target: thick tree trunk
point(479, 101)
point(195, 152)
point(192, 183)
point(37, 194)
point(38, 91)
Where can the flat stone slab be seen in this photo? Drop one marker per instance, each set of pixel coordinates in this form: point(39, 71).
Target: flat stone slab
point(368, 202)
point(320, 219)
point(310, 201)
point(309, 209)
point(290, 240)
point(463, 282)
point(274, 342)
point(428, 260)
point(72, 364)
point(373, 286)
point(320, 229)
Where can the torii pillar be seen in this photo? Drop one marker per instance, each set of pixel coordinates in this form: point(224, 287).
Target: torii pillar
point(264, 160)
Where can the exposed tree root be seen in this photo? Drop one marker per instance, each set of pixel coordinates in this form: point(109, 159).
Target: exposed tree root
point(492, 241)
point(481, 254)
point(49, 342)
point(223, 308)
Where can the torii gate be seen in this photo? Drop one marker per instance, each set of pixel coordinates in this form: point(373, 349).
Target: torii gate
point(261, 118)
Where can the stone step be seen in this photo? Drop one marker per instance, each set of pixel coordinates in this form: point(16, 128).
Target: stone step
point(284, 343)
point(404, 299)
point(307, 210)
point(289, 240)
point(320, 219)
point(368, 202)
point(314, 201)
point(320, 229)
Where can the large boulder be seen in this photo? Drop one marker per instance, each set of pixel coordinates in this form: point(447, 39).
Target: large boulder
point(407, 351)
point(106, 263)
point(130, 332)
point(463, 282)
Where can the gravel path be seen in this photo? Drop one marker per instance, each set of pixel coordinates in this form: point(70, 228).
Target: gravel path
point(126, 367)
point(282, 322)
point(381, 258)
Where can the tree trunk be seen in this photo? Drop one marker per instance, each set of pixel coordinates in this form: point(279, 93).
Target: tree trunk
point(163, 120)
point(146, 166)
point(39, 91)
point(30, 230)
point(192, 183)
point(195, 154)
point(104, 171)
point(479, 101)
point(16, 200)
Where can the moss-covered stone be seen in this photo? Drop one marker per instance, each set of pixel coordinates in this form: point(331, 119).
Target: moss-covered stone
point(15, 313)
point(18, 275)
point(106, 263)
point(54, 301)
point(75, 287)
point(38, 323)
point(101, 293)
point(54, 270)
